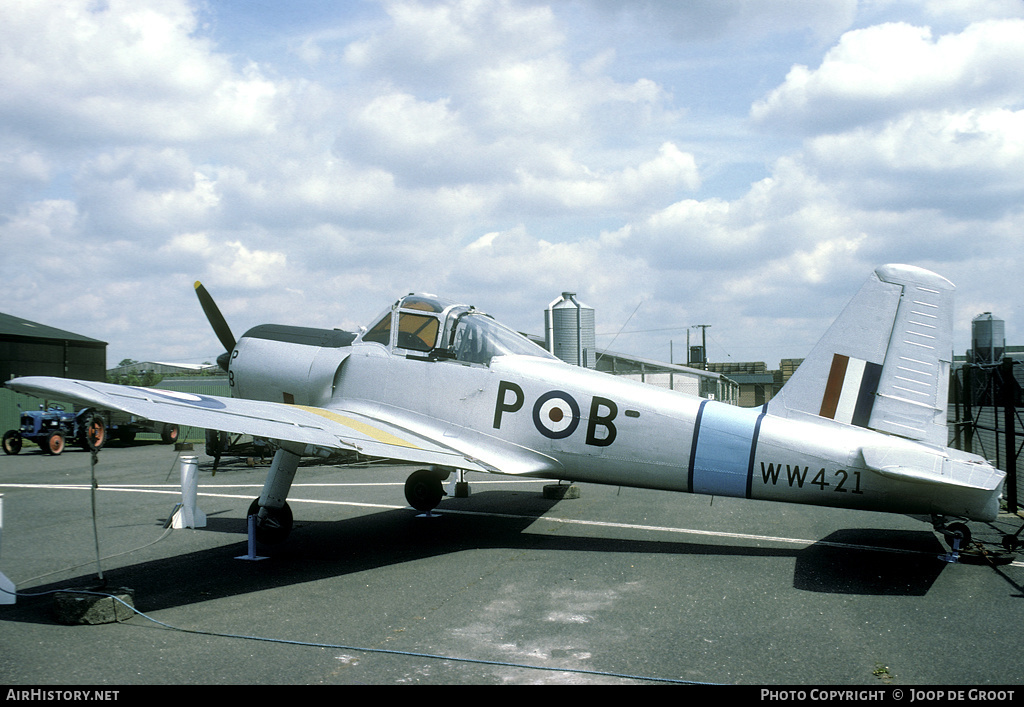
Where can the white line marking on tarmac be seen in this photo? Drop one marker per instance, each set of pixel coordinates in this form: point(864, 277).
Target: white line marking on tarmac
point(175, 490)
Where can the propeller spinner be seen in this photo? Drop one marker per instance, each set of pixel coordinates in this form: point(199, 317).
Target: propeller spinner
point(217, 321)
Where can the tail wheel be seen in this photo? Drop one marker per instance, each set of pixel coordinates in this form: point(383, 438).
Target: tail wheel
point(273, 528)
point(54, 444)
point(424, 490)
point(957, 531)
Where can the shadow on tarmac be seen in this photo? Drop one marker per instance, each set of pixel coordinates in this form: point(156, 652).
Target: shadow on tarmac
point(844, 562)
point(837, 564)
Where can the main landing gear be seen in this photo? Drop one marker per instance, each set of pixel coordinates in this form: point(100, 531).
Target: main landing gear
point(274, 525)
point(424, 489)
point(273, 515)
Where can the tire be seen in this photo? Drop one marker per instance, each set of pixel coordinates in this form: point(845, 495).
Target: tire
point(169, 434)
point(54, 444)
point(424, 490)
point(12, 442)
point(958, 531)
point(279, 526)
point(94, 434)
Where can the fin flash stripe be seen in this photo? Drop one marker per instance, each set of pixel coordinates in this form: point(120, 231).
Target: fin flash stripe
point(850, 390)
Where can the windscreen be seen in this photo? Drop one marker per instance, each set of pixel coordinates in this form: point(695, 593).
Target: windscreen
point(478, 338)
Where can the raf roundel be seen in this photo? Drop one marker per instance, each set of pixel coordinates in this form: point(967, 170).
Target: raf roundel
point(556, 415)
point(187, 398)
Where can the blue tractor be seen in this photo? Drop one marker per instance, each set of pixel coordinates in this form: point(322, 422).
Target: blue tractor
point(52, 427)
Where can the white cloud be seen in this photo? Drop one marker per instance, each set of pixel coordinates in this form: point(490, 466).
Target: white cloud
point(877, 73)
point(502, 152)
point(78, 72)
point(966, 11)
point(428, 42)
point(231, 262)
point(966, 162)
point(737, 20)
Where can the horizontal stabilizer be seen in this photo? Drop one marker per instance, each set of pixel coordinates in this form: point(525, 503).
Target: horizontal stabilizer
point(924, 466)
point(884, 363)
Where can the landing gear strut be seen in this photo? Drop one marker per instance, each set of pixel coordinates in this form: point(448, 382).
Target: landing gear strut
point(273, 515)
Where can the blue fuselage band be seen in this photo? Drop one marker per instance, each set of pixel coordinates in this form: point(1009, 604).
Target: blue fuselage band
point(722, 453)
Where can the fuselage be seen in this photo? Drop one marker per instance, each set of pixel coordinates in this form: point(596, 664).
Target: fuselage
point(605, 429)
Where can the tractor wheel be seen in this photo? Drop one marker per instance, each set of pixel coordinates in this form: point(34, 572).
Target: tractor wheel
point(54, 444)
point(12, 442)
point(169, 434)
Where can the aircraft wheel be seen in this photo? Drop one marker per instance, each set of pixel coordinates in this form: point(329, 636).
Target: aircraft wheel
point(1011, 543)
point(957, 530)
point(12, 442)
point(424, 490)
point(54, 444)
point(275, 527)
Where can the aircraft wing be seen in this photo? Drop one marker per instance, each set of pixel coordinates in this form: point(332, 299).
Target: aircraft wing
point(372, 435)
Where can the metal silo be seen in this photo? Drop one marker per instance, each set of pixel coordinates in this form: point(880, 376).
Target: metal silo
point(569, 331)
point(988, 338)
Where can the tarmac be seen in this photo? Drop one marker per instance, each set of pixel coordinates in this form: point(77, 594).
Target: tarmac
point(503, 587)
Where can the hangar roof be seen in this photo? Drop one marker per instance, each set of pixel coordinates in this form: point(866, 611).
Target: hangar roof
point(16, 327)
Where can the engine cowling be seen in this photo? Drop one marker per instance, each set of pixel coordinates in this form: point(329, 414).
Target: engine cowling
point(285, 364)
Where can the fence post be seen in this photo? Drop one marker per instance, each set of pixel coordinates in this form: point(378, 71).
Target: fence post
point(1009, 391)
point(968, 398)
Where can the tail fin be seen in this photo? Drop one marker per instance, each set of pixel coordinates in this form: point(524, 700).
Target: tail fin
point(884, 363)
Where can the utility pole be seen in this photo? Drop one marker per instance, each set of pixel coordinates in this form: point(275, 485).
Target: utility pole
point(703, 343)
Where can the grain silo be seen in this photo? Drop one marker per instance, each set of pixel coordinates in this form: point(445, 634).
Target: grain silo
point(569, 331)
point(988, 338)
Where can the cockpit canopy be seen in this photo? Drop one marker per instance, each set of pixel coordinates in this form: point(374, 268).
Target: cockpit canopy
point(446, 330)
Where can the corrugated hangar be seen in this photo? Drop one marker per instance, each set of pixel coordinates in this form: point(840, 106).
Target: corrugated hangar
point(31, 349)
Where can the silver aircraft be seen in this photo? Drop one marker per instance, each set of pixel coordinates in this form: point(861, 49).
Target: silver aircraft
point(861, 424)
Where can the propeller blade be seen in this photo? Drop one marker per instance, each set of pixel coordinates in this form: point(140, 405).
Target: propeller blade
point(220, 326)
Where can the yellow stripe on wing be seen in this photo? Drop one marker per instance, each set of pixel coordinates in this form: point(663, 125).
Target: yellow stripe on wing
point(368, 430)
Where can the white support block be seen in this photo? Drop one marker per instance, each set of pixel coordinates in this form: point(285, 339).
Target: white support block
point(187, 515)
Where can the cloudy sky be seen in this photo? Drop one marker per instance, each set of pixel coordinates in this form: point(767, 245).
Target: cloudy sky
point(738, 163)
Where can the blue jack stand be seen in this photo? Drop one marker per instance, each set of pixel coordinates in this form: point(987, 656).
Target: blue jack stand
point(252, 556)
point(953, 556)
